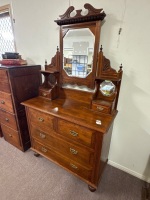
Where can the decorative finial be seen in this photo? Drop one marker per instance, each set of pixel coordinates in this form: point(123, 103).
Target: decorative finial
point(120, 70)
point(101, 48)
point(57, 48)
point(121, 66)
point(45, 62)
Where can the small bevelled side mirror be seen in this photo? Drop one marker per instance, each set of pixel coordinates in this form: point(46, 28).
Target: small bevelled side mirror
point(107, 88)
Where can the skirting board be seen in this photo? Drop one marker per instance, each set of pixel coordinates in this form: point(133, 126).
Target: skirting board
point(129, 171)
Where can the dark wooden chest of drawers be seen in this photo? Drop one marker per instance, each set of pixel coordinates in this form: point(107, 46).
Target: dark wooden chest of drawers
point(17, 84)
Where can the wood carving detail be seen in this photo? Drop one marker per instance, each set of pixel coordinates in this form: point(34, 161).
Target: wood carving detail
point(106, 65)
point(92, 15)
point(105, 70)
point(55, 62)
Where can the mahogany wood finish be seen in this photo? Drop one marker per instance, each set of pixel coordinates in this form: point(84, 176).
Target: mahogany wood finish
point(17, 84)
point(72, 127)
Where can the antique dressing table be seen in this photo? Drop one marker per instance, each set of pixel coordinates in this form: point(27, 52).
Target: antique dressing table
point(71, 120)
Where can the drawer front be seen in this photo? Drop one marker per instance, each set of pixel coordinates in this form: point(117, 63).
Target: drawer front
point(74, 152)
point(8, 119)
point(101, 108)
point(76, 133)
point(6, 102)
point(67, 163)
point(4, 86)
point(10, 135)
point(42, 120)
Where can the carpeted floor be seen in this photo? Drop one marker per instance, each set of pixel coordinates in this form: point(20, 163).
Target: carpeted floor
point(26, 177)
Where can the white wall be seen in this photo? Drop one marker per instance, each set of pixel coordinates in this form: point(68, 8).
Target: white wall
point(37, 36)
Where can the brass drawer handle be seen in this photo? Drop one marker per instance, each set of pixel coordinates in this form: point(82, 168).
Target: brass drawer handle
point(2, 102)
point(44, 94)
point(73, 166)
point(6, 119)
point(42, 136)
point(73, 133)
point(41, 119)
point(73, 151)
point(100, 108)
point(10, 135)
point(44, 149)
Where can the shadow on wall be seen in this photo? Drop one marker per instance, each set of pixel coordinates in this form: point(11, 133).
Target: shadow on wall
point(146, 173)
point(132, 135)
point(107, 36)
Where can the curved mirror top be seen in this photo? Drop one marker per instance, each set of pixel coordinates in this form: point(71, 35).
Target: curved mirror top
point(78, 51)
point(107, 88)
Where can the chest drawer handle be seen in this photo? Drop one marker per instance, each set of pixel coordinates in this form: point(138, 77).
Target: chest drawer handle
point(44, 149)
point(73, 133)
point(6, 119)
point(100, 108)
point(42, 136)
point(41, 119)
point(73, 166)
point(44, 94)
point(10, 135)
point(73, 151)
point(2, 102)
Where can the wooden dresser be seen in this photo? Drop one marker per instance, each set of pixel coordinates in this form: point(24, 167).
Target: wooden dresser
point(17, 84)
point(68, 125)
point(65, 132)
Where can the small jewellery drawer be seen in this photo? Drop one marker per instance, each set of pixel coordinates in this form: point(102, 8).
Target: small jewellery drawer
point(67, 149)
point(76, 132)
point(102, 106)
point(44, 94)
point(4, 86)
point(76, 168)
point(6, 102)
point(8, 119)
point(10, 135)
point(42, 120)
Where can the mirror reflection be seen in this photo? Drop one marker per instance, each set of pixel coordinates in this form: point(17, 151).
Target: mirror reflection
point(78, 51)
point(107, 88)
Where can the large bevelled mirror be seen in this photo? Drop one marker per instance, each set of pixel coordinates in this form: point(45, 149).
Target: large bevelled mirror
point(78, 51)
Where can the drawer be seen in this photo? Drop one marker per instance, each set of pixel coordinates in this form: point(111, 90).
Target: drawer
point(6, 102)
point(71, 165)
point(69, 150)
point(4, 86)
point(76, 133)
point(42, 120)
point(10, 135)
point(8, 119)
point(102, 106)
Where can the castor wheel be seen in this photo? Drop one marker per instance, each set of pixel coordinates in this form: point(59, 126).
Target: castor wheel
point(92, 189)
point(36, 154)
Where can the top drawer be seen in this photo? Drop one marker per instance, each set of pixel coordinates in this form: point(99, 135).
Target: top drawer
point(42, 120)
point(4, 86)
point(76, 132)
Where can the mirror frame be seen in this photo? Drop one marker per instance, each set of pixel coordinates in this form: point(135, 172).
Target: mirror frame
point(92, 21)
point(89, 80)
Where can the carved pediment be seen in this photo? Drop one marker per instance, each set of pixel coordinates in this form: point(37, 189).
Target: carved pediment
point(92, 15)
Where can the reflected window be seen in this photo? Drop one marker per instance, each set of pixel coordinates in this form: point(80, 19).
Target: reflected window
point(107, 88)
point(78, 52)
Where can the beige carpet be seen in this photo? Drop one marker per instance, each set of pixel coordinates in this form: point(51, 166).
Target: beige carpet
point(26, 177)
